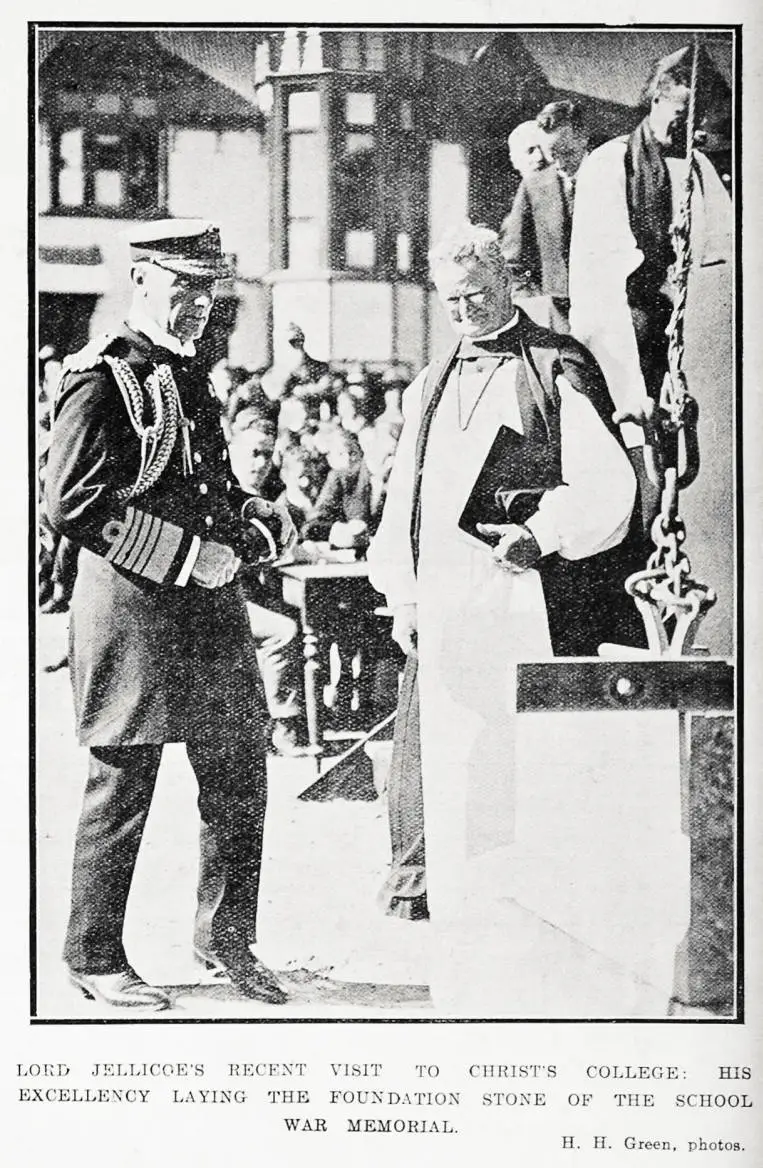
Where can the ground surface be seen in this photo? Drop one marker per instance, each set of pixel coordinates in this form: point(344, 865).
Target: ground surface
point(319, 921)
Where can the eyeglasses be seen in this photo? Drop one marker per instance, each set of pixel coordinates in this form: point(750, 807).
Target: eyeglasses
point(469, 299)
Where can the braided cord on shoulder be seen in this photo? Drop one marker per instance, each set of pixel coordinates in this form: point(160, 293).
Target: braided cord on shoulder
point(156, 440)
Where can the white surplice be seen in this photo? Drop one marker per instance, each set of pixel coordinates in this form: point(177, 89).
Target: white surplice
point(476, 620)
point(604, 253)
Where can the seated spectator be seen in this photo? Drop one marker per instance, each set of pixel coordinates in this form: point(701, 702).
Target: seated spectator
point(292, 416)
point(293, 367)
point(227, 378)
point(323, 393)
point(357, 406)
point(251, 393)
point(348, 509)
point(317, 397)
point(378, 443)
point(338, 382)
point(303, 473)
point(273, 381)
point(346, 411)
point(274, 630)
point(251, 447)
point(321, 438)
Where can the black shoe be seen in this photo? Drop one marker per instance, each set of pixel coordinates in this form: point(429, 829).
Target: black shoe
point(121, 989)
point(247, 973)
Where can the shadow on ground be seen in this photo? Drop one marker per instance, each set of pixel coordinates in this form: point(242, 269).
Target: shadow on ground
point(310, 989)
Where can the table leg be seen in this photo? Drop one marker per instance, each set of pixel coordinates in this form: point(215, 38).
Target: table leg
point(312, 668)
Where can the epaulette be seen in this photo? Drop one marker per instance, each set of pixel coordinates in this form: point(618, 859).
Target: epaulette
point(90, 356)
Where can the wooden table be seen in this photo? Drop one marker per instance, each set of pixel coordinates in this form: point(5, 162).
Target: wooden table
point(338, 607)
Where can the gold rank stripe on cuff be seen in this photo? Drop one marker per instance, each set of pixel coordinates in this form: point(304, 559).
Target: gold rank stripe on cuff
point(146, 545)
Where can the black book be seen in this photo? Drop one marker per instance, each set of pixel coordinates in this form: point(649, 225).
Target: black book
point(510, 483)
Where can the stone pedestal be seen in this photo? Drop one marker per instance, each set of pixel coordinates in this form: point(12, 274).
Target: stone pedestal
point(706, 958)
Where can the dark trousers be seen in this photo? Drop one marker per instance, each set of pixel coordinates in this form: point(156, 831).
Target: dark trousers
point(279, 657)
point(232, 782)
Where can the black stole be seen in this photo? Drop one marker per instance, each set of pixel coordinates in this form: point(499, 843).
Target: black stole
point(650, 212)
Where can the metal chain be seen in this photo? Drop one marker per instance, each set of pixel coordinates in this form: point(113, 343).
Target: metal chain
point(666, 590)
point(668, 535)
point(675, 389)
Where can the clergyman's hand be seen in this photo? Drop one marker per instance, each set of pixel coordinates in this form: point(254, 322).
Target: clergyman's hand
point(517, 548)
point(404, 627)
point(216, 564)
point(641, 411)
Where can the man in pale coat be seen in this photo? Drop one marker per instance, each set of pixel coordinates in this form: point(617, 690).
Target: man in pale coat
point(628, 194)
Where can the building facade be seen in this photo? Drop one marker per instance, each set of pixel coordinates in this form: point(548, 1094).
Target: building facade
point(332, 158)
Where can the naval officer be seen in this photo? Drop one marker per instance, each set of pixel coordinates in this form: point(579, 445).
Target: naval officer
point(139, 478)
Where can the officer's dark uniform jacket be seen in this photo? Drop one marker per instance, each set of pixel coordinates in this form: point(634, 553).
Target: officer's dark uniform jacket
point(152, 660)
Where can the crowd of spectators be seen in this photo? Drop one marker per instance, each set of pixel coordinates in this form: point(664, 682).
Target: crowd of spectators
point(56, 556)
point(320, 439)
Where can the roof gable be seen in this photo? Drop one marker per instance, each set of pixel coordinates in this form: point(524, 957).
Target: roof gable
point(188, 86)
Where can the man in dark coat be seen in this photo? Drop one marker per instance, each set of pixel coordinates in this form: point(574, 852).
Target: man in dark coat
point(139, 478)
point(535, 236)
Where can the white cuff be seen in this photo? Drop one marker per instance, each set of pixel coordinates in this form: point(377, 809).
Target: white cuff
point(190, 562)
point(544, 529)
point(632, 435)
